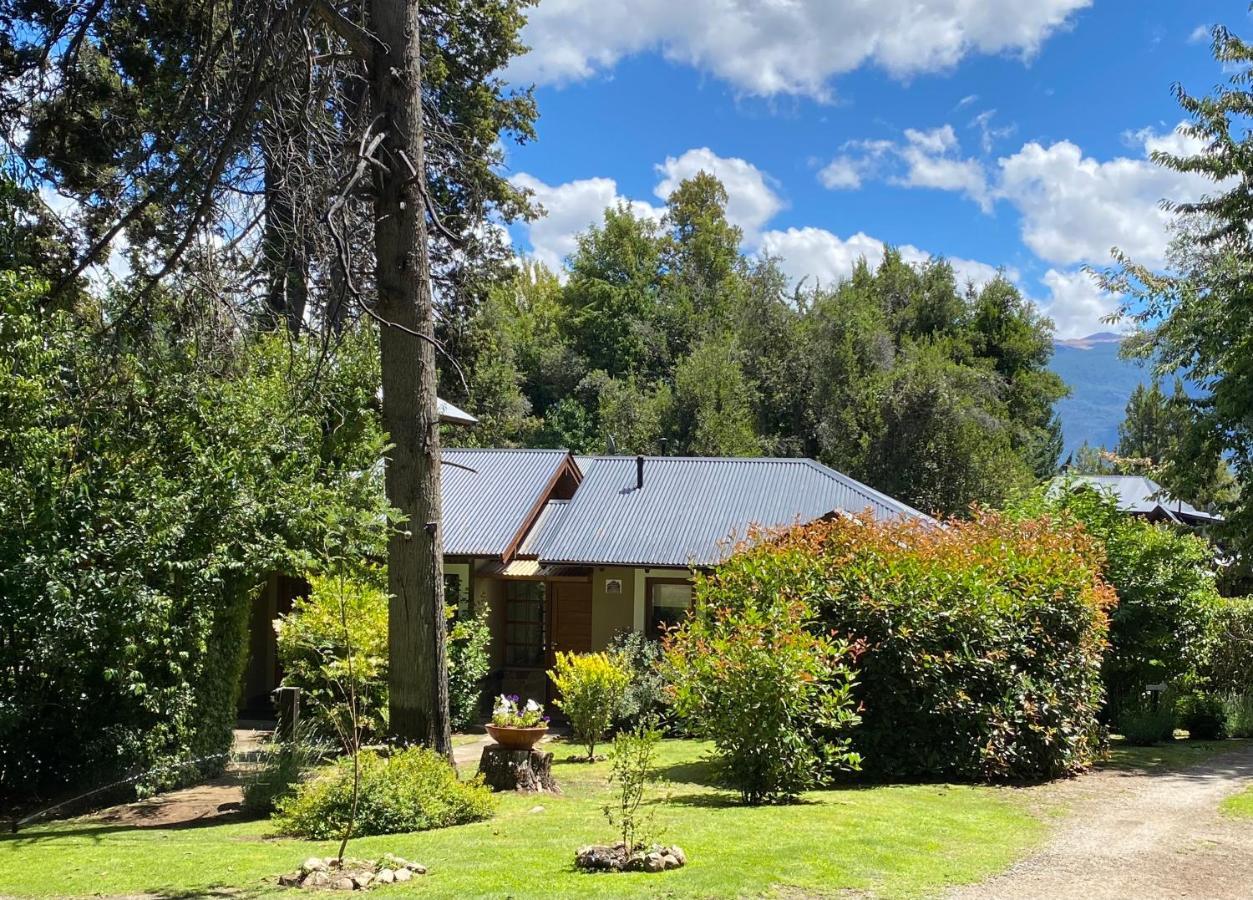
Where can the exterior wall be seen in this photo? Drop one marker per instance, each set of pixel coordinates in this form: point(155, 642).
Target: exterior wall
point(611, 613)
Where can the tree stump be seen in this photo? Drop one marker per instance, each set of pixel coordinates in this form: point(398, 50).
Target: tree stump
point(517, 770)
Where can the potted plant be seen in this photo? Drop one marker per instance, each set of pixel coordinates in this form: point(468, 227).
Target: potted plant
point(517, 726)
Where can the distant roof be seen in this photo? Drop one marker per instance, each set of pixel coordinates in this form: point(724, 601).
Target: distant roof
point(451, 415)
point(690, 507)
point(1143, 496)
point(489, 496)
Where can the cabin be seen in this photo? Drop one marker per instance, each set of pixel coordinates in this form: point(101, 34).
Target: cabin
point(564, 552)
point(1143, 497)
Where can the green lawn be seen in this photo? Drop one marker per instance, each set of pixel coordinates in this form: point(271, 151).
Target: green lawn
point(1240, 805)
point(891, 841)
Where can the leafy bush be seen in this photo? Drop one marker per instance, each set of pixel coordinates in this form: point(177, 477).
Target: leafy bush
point(983, 639)
point(1238, 714)
point(591, 686)
point(1227, 661)
point(1204, 716)
point(773, 697)
point(153, 475)
point(414, 789)
point(312, 650)
point(1144, 720)
point(283, 766)
point(468, 663)
point(1164, 579)
point(646, 699)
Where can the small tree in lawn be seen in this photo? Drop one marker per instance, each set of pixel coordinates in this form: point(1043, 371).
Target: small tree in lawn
point(634, 755)
point(592, 686)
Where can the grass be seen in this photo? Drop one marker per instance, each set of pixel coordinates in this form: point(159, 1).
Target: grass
point(1173, 755)
point(1240, 805)
point(894, 841)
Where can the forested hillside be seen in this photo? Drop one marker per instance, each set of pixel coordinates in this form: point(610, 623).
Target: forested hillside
point(663, 338)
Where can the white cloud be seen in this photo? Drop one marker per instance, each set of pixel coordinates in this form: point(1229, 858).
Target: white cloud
point(842, 173)
point(824, 257)
point(793, 47)
point(1076, 304)
point(570, 209)
point(751, 202)
point(1199, 35)
point(1075, 208)
point(966, 101)
point(989, 134)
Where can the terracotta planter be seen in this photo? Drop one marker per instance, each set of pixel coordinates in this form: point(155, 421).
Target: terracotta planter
point(517, 738)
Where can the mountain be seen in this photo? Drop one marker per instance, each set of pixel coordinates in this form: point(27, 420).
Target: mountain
point(1100, 384)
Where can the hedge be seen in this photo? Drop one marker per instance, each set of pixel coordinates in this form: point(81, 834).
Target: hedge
point(982, 639)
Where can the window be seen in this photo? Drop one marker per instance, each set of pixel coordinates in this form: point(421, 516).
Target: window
point(668, 603)
point(524, 623)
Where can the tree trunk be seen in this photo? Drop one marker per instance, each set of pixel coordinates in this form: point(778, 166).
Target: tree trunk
point(418, 668)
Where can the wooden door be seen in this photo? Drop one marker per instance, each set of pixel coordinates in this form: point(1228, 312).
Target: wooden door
point(569, 620)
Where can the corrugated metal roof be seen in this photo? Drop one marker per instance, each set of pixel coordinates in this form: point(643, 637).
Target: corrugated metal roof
point(452, 415)
point(1144, 496)
point(488, 495)
point(545, 526)
point(690, 507)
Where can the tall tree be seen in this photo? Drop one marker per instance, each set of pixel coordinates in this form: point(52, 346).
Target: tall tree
point(165, 121)
point(1197, 318)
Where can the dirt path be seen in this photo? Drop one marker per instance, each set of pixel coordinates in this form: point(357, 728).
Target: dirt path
point(1142, 835)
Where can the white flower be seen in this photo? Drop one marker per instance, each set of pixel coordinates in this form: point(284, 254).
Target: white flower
point(532, 706)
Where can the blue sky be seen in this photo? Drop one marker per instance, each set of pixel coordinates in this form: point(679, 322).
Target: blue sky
point(998, 133)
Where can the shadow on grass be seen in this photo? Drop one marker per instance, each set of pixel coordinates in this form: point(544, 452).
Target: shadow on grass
point(98, 829)
point(703, 772)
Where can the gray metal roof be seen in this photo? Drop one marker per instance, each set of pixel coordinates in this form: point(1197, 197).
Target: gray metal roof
point(1142, 496)
point(690, 508)
point(546, 525)
point(451, 415)
point(488, 496)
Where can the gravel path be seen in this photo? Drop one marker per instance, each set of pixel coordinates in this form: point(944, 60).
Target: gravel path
point(1142, 835)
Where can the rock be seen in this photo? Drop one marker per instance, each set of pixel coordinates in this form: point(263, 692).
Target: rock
point(669, 861)
point(403, 875)
point(344, 884)
point(537, 809)
point(653, 863)
point(387, 876)
point(362, 880)
point(677, 852)
point(417, 869)
point(289, 880)
point(313, 864)
point(316, 879)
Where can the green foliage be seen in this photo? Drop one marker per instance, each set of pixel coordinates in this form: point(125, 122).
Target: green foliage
point(647, 698)
point(283, 765)
point(1237, 712)
point(414, 789)
point(936, 392)
point(312, 651)
point(772, 696)
point(154, 474)
point(982, 640)
point(1226, 662)
point(1145, 718)
point(1164, 578)
point(1202, 715)
point(634, 760)
point(591, 686)
point(468, 664)
point(1197, 321)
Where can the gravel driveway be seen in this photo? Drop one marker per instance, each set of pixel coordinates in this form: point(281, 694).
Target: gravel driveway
point(1142, 835)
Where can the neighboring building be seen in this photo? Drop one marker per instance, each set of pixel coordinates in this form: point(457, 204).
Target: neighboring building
point(1140, 496)
point(565, 552)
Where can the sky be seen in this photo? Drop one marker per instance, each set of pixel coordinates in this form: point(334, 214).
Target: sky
point(1008, 135)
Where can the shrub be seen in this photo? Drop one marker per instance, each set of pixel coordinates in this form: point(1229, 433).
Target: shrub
point(311, 648)
point(773, 697)
point(983, 639)
point(414, 789)
point(1203, 715)
point(468, 662)
point(646, 699)
point(1238, 714)
point(1227, 662)
point(1164, 579)
point(591, 686)
point(1143, 719)
point(283, 766)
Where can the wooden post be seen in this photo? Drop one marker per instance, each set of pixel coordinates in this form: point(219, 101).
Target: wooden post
point(287, 702)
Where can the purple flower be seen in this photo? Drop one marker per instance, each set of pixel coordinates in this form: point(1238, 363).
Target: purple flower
point(544, 719)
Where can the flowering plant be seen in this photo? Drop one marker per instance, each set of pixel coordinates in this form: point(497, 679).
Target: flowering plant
point(510, 712)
